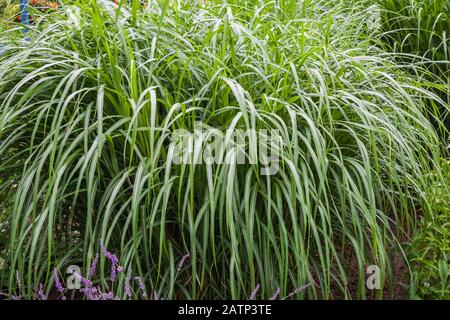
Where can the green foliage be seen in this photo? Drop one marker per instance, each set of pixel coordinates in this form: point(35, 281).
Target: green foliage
point(11, 10)
point(419, 30)
point(3, 6)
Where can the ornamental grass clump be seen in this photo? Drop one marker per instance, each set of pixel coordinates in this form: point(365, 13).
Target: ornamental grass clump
point(89, 102)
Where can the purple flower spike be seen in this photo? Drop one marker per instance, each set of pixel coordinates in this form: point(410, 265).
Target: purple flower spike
point(254, 292)
point(59, 287)
point(141, 286)
point(41, 294)
point(182, 261)
point(275, 294)
point(93, 267)
point(155, 296)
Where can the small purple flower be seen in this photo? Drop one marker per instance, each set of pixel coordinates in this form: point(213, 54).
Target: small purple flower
point(254, 292)
point(182, 261)
point(107, 296)
point(59, 287)
point(155, 295)
point(298, 290)
point(113, 272)
point(41, 294)
point(275, 294)
point(141, 286)
point(19, 282)
point(93, 267)
point(111, 257)
point(87, 283)
point(115, 268)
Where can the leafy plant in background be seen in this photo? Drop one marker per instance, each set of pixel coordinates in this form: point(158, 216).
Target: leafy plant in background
point(419, 29)
point(9, 10)
point(87, 106)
